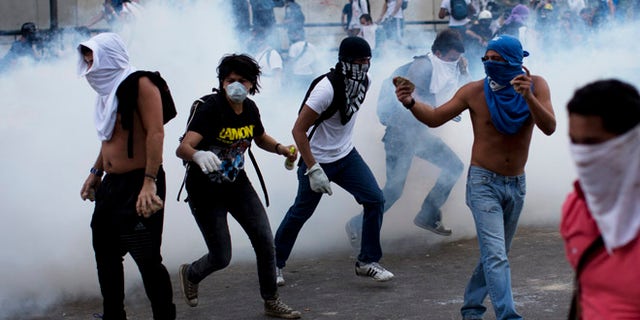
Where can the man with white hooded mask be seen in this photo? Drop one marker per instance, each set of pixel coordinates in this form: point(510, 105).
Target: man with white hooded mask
point(128, 215)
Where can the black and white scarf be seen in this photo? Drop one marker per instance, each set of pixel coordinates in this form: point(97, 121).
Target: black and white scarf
point(356, 83)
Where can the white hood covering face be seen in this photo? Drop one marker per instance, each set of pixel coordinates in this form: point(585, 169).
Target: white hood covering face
point(110, 67)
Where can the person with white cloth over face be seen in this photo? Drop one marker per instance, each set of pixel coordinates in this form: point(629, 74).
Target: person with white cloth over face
point(601, 217)
point(436, 76)
point(328, 155)
point(129, 214)
point(218, 135)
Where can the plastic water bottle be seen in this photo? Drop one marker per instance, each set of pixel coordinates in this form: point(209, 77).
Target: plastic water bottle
point(290, 164)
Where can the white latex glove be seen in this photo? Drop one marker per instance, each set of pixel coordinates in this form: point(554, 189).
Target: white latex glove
point(207, 160)
point(318, 179)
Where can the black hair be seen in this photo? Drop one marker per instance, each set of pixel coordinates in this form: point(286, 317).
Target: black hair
point(366, 17)
point(446, 40)
point(243, 65)
point(84, 50)
point(28, 28)
point(616, 102)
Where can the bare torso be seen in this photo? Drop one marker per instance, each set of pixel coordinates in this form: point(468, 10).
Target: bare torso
point(114, 151)
point(148, 135)
point(492, 150)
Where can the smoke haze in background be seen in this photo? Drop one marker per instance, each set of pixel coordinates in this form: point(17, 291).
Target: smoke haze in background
point(49, 144)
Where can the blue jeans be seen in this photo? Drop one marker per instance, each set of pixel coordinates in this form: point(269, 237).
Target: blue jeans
point(495, 202)
point(352, 174)
point(401, 146)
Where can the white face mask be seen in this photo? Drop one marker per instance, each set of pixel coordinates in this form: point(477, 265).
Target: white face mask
point(609, 174)
point(236, 92)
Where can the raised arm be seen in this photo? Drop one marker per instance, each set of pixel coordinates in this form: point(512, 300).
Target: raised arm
point(426, 113)
point(539, 101)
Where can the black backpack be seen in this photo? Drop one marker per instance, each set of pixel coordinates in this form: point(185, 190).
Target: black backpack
point(194, 107)
point(339, 98)
point(127, 94)
point(459, 9)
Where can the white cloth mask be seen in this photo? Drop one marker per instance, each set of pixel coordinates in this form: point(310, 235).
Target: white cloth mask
point(609, 175)
point(110, 67)
point(445, 77)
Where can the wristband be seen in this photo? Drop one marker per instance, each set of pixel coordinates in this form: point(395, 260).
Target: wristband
point(410, 104)
point(150, 176)
point(276, 148)
point(96, 172)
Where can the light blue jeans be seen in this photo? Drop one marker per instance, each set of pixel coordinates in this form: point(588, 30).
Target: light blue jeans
point(495, 202)
point(401, 146)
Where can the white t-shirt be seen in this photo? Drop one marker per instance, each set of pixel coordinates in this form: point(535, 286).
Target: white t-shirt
point(331, 141)
point(358, 8)
point(446, 4)
point(391, 5)
point(369, 33)
point(303, 59)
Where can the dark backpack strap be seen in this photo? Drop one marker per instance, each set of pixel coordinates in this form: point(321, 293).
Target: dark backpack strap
point(262, 184)
point(127, 94)
point(192, 113)
point(336, 102)
point(575, 312)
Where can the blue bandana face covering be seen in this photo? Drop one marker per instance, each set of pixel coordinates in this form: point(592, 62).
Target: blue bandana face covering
point(501, 72)
point(508, 109)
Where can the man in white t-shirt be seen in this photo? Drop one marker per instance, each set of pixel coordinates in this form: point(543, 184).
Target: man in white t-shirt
point(456, 24)
point(392, 20)
point(328, 154)
point(358, 8)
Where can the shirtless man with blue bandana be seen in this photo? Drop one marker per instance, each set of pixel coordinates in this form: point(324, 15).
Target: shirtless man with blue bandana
point(504, 107)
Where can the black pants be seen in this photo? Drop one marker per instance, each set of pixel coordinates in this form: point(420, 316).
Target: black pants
point(117, 229)
point(210, 204)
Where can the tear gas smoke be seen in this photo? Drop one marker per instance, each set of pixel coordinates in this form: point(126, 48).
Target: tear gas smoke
point(49, 144)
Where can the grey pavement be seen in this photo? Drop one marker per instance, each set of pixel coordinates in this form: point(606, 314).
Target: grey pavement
point(429, 283)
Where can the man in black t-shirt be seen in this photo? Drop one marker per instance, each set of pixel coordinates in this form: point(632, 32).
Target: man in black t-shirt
point(217, 137)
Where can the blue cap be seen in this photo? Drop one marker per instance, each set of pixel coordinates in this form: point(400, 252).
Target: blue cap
point(509, 48)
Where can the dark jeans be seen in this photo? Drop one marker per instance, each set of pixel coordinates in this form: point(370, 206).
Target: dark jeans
point(117, 229)
point(210, 203)
point(352, 174)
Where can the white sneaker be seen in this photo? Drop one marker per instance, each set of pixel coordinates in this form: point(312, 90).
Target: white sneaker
point(373, 270)
point(279, 277)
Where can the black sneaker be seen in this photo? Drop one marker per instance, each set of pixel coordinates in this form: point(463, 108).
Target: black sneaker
point(278, 309)
point(188, 288)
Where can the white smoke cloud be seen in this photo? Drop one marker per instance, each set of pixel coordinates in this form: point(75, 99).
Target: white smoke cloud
point(49, 144)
